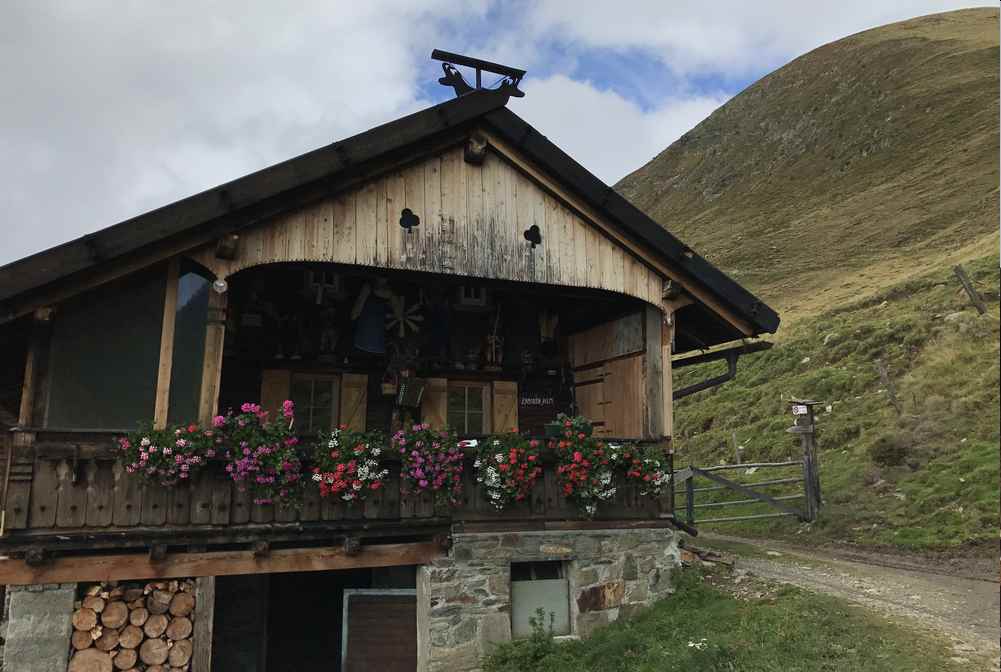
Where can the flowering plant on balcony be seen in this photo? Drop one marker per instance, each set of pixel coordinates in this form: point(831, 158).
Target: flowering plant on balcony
point(262, 454)
point(346, 464)
point(167, 456)
point(431, 461)
point(507, 466)
point(586, 466)
point(645, 467)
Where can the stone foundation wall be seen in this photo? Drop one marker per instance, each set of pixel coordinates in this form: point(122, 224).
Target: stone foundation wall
point(611, 574)
point(36, 627)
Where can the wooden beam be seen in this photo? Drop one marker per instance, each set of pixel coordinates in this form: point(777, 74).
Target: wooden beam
point(215, 338)
point(667, 375)
point(653, 374)
point(201, 657)
point(166, 346)
point(220, 563)
point(602, 224)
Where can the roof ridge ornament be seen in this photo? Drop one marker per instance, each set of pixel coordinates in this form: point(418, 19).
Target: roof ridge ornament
point(510, 77)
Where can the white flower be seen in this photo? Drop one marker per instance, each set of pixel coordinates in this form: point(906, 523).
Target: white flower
point(144, 442)
point(477, 463)
point(499, 457)
point(317, 477)
point(376, 451)
point(496, 442)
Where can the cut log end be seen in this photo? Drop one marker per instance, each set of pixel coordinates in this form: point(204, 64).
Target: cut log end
point(90, 660)
point(84, 619)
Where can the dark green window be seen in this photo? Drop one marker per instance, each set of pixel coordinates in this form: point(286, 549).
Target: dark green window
point(193, 287)
point(105, 354)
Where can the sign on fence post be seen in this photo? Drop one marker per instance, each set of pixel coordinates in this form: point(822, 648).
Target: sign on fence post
point(804, 426)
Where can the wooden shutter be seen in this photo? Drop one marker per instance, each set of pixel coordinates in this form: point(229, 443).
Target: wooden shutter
point(354, 400)
point(505, 406)
point(623, 397)
point(589, 391)
point(276, 386)
point(434, 405)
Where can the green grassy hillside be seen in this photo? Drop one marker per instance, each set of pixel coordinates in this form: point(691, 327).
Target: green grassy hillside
point(841, 189)
point(923, 478)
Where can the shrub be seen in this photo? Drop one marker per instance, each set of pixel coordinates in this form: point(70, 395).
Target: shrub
point(523, 655)
point(890, 449)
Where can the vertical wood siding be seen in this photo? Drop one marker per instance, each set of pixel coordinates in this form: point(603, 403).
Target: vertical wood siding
point(472, 223)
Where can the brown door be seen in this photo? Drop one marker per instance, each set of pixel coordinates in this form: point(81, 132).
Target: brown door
point(380, 631)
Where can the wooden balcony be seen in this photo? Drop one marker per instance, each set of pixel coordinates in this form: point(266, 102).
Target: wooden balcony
point(68, 492)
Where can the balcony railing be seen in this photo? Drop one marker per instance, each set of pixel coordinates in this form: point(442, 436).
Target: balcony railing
point(69, 489)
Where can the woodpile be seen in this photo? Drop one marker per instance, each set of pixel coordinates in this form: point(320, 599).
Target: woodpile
point(134, 627)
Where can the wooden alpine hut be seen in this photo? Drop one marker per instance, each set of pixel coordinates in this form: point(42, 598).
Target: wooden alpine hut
point(448, 308)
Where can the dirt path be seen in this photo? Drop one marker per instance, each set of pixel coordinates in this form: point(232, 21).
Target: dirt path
point(967, 610)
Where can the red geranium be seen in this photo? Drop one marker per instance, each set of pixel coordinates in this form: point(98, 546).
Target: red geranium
point(508, 467)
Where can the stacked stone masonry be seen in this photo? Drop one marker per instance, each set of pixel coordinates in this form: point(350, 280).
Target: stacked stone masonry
point(611, 575)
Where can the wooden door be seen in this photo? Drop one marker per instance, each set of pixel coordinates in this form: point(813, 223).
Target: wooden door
point(380, 631)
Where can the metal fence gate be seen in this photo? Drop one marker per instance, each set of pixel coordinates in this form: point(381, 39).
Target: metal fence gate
point(764, 489)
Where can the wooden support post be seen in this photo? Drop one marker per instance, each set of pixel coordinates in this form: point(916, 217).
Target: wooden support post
point(201, 656)
point(667, 392)
point(215, 337)
point(653, 374)
point(19, 471)
point(166, 346)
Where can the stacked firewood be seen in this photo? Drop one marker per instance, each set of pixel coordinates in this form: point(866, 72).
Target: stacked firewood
point(134, 627)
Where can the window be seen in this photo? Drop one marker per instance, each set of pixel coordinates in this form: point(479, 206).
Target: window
point(191, 317)
point(105, 353)
point(317, 400)
point(539, 585)
point(467, 408)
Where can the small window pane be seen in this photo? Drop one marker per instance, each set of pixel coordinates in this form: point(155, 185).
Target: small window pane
point(474, 423)
point(535, 586)
point(322, 419)
point(475, 398)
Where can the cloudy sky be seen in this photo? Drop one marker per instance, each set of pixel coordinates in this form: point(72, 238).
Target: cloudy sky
point(114, 107)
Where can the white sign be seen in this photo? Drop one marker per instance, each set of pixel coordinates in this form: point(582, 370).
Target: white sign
point(800, 409)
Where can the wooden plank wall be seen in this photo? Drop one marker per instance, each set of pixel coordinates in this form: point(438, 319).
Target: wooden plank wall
point(472, 222)
point(610, 368)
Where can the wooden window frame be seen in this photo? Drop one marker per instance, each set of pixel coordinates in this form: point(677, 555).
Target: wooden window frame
point(486, 389)
point(335, 415)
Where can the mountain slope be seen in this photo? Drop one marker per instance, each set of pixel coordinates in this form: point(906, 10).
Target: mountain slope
point(854, 166)
point(841, 189)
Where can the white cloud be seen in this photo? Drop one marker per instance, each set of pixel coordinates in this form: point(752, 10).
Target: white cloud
point(108, 112)
point(112, 108)
point(606, 133)
point(733, 36)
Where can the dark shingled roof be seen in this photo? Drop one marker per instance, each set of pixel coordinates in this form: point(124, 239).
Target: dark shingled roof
point(328, 164)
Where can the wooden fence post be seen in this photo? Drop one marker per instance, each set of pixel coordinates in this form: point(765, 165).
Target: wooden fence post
point(971, 291)
point(805, 426)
